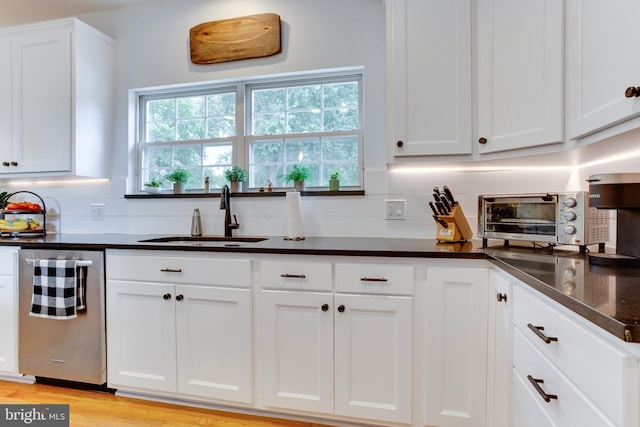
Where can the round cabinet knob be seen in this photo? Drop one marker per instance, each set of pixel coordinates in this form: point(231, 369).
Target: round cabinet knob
point(5, 164)
point(166, 297)
point(501, 297)
point(399, 144)
point(14, 163)
point(570, 216)
point(179, 297)
point(632, 92)
point(482, 141)
point(325, 307)
point(570, 229)
point(570, 202)
point(341, 308)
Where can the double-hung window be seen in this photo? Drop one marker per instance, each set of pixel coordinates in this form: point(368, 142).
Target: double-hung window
point(263, 126)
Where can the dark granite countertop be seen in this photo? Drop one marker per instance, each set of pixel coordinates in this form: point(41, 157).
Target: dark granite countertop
point(610, 298)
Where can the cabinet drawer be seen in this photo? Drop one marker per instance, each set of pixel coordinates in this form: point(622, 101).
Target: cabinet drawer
point(606, 374)
point(569, 407)
point(8, 261)
point(304, 275)
point(396, 279)
point(176, 269)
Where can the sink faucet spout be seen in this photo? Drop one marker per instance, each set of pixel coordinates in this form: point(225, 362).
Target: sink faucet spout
point(225, 203)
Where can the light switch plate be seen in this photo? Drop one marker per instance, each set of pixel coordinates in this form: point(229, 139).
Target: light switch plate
point(395, 209)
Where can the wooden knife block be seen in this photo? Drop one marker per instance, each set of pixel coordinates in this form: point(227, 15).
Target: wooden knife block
point(457, 229)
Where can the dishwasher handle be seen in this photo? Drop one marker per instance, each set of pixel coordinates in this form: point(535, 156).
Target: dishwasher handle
point(81, 263)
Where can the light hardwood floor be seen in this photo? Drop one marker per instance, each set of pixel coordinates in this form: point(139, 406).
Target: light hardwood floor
point(98, 409)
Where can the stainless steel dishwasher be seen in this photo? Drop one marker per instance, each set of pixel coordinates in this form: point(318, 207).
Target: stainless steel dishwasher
point(64, 349)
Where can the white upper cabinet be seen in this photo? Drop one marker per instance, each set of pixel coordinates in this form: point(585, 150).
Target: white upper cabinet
point(520, 74)
point(56, 82)
point(603, 62)
point(429, 76)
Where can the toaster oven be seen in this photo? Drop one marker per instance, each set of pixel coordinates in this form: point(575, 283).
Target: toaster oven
point(553, 218)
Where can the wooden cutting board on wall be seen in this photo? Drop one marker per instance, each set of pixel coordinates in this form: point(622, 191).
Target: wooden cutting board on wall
point(245, 37)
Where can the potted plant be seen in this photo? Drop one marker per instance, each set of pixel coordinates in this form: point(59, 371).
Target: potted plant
point(299, 174)
point(236, 176)
point(179, 177)
point(154, 186)
point(334, 182)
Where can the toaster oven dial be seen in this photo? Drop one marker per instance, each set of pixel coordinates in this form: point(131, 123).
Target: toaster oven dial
point(570, 202)
point(570, 229)
point(569, 216)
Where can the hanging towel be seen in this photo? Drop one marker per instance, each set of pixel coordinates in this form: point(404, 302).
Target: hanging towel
point(58, 289)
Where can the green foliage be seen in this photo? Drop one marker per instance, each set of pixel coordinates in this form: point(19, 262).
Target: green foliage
point(236, 174)
point(179, 176)
point(155, 182)
point(298, 173)
point(335, 175)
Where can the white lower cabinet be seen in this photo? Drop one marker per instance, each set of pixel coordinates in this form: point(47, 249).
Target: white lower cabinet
point(338, 353)
point(190, 339)
point(456, 353)
point(9, 310)
point(593, 379)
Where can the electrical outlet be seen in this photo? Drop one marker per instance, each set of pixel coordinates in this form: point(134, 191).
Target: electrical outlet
point(395, 209)
point(97, 211)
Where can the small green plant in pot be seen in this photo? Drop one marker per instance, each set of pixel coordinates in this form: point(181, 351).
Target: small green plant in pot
point(334, 182)
point(179, 177)
point(236, 176)
point(154, 186)
point(299, 174)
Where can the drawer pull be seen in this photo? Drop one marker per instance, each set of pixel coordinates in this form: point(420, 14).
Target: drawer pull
point(538, 331)
point(295, 276)
point(373, 279)
point(536, 384)
point(171, 270)
point(501, 297)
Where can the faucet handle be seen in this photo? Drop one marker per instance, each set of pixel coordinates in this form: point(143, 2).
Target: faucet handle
point(234, 224)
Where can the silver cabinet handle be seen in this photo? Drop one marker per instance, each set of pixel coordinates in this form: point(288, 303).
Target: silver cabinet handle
point(171, 270)
point(373, 279)
point(295, 276)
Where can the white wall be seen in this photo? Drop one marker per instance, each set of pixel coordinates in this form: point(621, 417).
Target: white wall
point(152, 49)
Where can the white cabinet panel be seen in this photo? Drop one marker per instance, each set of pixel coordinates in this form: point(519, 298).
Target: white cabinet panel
point(373, 343)
point(520, 73)
point(297, 350)
point(456, 346)
point(9, 310)
point(429, 69)
point(214, 342)
point(603, 42)
point(141, 335)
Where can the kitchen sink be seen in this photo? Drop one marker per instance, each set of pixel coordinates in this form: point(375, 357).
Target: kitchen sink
point(203, 239)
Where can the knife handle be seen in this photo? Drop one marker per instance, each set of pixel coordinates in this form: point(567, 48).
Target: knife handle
point(449, 195)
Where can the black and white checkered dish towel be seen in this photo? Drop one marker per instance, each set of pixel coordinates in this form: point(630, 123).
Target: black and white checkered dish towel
point(58, 289)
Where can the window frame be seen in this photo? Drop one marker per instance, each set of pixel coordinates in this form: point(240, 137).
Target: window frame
point(242, 139)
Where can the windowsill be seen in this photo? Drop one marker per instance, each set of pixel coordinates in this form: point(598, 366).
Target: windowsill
point(193, 195)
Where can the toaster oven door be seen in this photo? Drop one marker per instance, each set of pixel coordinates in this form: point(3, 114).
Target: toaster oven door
point(524, 217)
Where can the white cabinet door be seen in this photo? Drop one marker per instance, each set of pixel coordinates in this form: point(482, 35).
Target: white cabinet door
point(429, 70)
point(500, 363)
point(603, 46)
point(297, 350)
point(520, 74)
point(6, 112)
point(214, 342)
point(456, 346)
point(42, 79)
point(373, 369)
point(8, 324)
point(141, 335)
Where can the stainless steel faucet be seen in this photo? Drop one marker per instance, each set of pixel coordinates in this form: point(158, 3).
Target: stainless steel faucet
point(225, 203)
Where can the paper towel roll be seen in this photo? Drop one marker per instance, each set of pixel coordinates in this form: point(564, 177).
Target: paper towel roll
point(294, 216)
